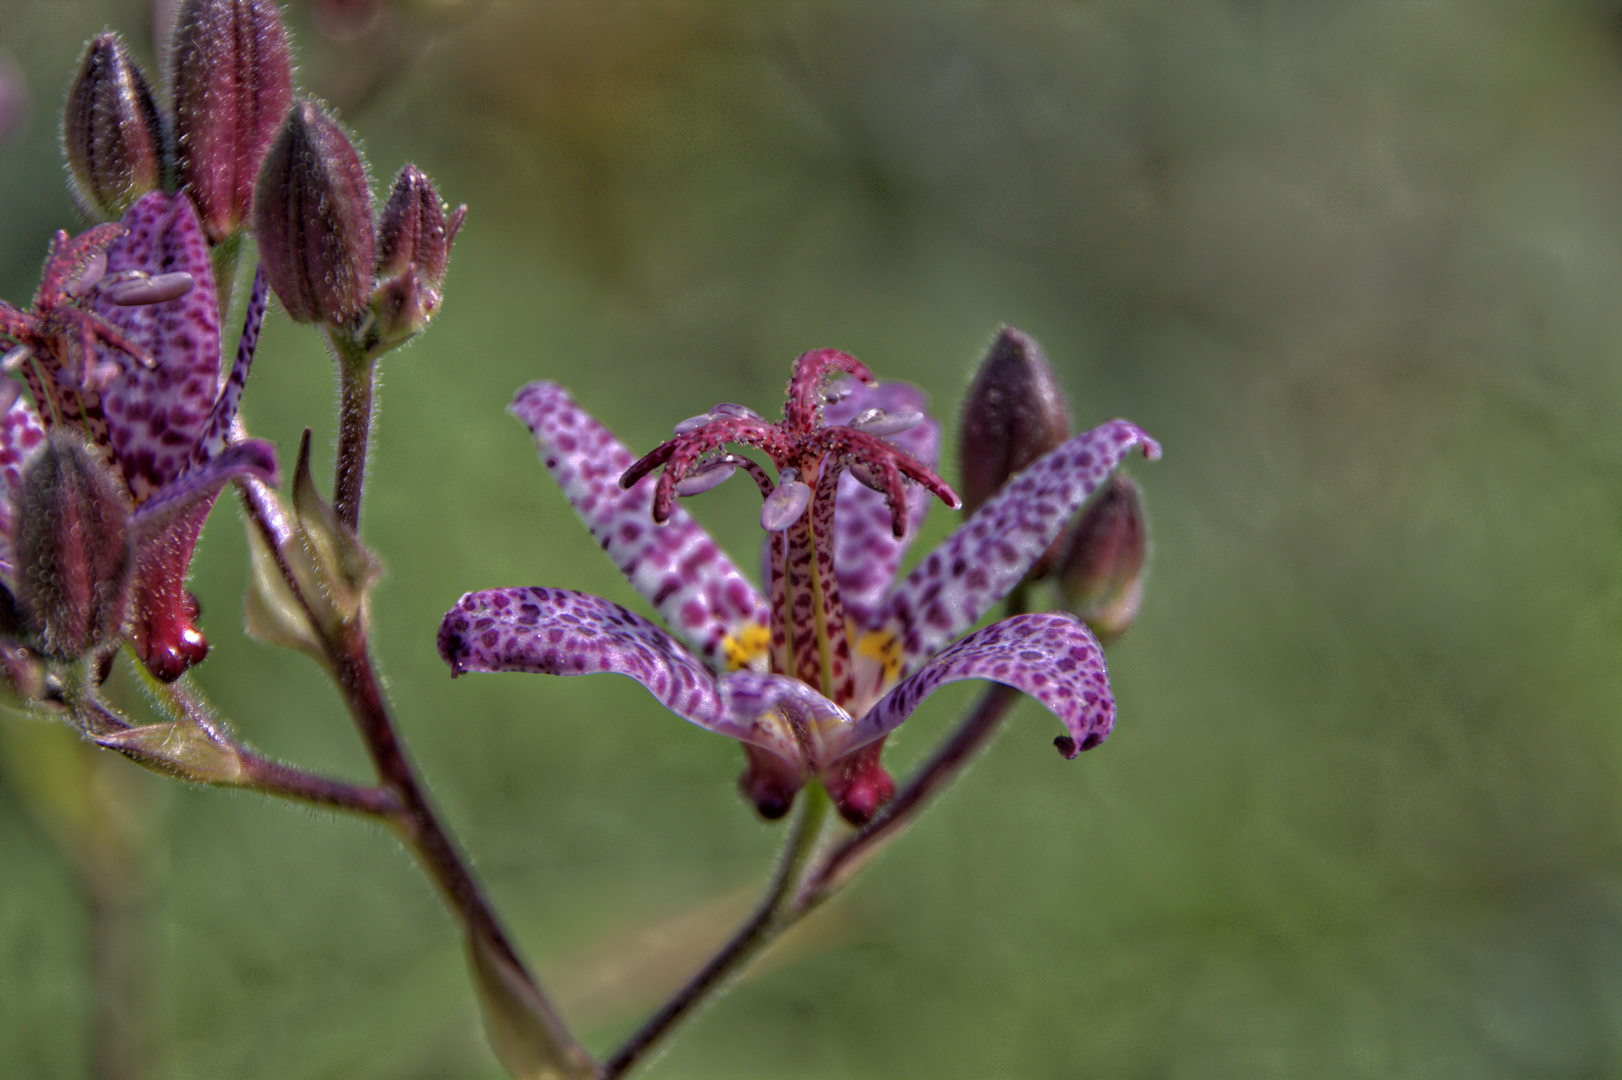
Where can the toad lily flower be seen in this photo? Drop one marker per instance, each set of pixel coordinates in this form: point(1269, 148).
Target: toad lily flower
point(812, 676)
point(123, 347)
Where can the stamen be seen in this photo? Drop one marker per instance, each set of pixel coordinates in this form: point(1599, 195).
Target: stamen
point(881, 423)
point(15, 358)
point(707, 475)
point(98, 377)
point(94, 268)
point(138, 289)
point(786, 505)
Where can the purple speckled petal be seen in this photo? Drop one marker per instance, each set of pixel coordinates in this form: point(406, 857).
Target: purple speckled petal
point(156, 416)
point(560, 632)
point(1051, 656)
point(676, 566)
point(217, 432)
point(20, 433)
point(866, 552)
point(987, 556)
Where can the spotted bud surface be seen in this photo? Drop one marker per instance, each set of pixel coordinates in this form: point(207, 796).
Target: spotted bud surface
point(1101, 578)
point(72, 543)
point(232, 77)
point(413, 241)
point(112, 132)
point(313, 220)
point(1014, 413)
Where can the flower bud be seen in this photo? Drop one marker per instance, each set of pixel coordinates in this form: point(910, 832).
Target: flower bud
point(1101, 578)
point(1014, 414)
point(313, 219)
point(72, 547)
point(111, 132)
point(413, 240)
point(232, 77)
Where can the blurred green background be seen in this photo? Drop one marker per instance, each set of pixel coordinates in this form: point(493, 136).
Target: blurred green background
point(1357, 267)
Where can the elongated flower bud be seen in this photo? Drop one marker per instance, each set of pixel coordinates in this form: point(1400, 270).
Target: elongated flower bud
point(1014, 413)
point(111, 132)
point(1101, 578)
point(232, 77)
point(72, 546)
point(313, 220)
point(413, 242)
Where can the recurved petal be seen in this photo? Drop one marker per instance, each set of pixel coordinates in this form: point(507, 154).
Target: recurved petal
point(987, 556)
point(1051, 656)
point(693, 585)
point(866, 551)
point(253, 458)
point(156, 415)
point(561, 632)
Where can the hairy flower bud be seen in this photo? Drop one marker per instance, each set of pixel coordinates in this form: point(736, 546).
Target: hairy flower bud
point(313, 220)
point(1101, 578)
point(111, 132)
point(232, 76)
point(1014, 413)
point(72, 547)
point(413, 241)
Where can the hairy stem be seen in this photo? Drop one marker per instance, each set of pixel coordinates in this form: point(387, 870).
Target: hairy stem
point(350, 664)
point(804, 883)
point(357, 373)
point(770, 918)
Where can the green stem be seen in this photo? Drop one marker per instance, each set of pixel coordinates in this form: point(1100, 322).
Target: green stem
point(769, 920)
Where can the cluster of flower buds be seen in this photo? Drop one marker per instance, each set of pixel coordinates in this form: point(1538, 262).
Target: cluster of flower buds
point(325, 259)
point(231, 81)
point(248, 154)
point(1015, 413)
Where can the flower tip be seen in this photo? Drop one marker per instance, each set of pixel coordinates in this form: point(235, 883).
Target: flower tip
point(1068, 747)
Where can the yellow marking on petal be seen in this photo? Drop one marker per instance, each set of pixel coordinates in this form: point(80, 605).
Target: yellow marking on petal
point(885, 647)
point(746, 646)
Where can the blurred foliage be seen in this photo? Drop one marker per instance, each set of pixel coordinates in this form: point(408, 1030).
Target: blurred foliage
point(1356, 266)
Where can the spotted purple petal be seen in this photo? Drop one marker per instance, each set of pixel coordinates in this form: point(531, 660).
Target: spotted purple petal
point(155, 416)
point(20, 434)
point(1051, 656)
point(979, 563)
point(676, 566)
point(560, 632)
point(866, 552)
